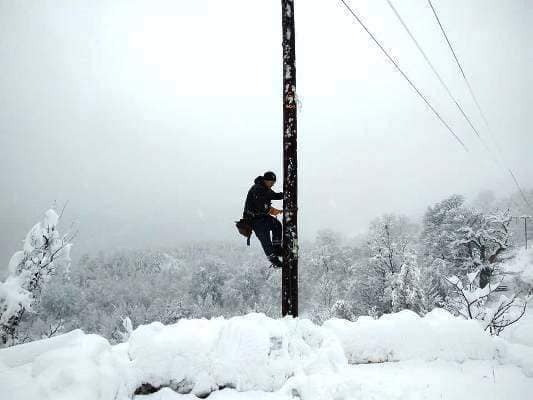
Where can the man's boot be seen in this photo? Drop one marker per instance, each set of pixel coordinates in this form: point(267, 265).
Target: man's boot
point(274, 259)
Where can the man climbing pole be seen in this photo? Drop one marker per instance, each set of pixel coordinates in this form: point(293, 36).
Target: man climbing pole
point(261, 216)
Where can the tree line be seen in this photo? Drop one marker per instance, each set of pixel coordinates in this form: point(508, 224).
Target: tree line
point(453, 258)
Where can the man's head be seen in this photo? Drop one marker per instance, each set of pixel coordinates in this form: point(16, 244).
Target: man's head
point(269, 178)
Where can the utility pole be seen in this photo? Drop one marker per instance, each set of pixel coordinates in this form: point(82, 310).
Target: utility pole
point(289, 275)
point(525, 218)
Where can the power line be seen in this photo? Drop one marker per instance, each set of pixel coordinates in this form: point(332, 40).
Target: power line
point(519, 188)
point(476, 102)
point(428, 61)
point(441, 80)
point(443, 84)
point(456, 59)
point(471, 91)
point(403, 73)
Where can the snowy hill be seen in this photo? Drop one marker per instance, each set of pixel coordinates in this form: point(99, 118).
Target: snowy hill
point(399, 356)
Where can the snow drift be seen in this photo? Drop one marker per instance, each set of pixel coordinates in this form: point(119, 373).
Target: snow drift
point(248, 353)
point(406, 336)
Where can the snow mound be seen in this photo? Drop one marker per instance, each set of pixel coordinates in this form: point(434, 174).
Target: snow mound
point(17, 356)
point(71, 366)
point(406, 336)
point(522, 332)
point(262, 357)
point(246, 353)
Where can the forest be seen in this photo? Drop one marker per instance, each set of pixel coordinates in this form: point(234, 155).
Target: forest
point(454, 257)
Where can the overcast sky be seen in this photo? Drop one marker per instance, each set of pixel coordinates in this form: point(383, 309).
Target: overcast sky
point(152, 118)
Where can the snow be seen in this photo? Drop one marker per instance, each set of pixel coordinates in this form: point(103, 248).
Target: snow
point(521, 333)
point(41, 231)
point(454, 280)
point(91, 375)
point(479, 293)
point(30, 268)
point(13, 296)
point(17, 356)
point(406, 336)
point(522, 265)
point(399, 356)
point(226, 394)
point(50, 219)
point(249, 353)
point(14, 262)
point(472, 276)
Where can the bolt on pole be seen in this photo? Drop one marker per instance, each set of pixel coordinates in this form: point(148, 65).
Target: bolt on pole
point(290, 182)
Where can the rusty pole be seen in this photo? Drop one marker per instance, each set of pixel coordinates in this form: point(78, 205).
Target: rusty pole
point(290, 182)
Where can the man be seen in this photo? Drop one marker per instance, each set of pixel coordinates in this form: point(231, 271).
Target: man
point(261, 214)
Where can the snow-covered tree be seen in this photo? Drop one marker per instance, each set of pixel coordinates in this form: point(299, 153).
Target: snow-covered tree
point(341, 309)
point(328, 267)
point(390, 241)
point(440, 226)
point(482, 241)
point(29, 269)
point(474, 302)
point(407, 291)
point(390, 246)
point(208, 281)
point(457, 240)
point(464, 247)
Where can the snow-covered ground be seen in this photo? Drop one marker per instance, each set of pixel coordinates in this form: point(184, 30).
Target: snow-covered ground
point(399, 356)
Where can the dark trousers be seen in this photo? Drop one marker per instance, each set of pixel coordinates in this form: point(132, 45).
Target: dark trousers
point(262, 227)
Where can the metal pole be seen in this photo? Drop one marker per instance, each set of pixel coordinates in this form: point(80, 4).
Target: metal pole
point(290, 183)
point(525, 218)
point(525, 229)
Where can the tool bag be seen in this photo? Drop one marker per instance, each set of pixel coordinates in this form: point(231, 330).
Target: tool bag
point(245, 228)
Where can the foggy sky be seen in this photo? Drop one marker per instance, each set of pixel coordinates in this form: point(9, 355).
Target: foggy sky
point(152, 118)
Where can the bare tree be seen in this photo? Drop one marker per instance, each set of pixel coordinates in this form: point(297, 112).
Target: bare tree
point(473, 302)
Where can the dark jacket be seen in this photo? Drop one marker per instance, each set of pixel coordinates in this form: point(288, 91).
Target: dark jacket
point(258, 200)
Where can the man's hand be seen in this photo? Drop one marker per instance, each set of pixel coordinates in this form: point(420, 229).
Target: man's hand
point(274, 211)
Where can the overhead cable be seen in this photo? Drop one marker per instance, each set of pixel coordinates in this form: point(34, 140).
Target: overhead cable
point(351, 11)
